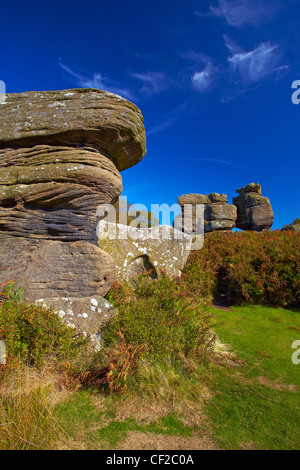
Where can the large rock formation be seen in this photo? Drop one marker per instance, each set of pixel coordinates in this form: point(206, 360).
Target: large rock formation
point(254, 212)
point(60, 157)
point(218, 214)
point(140, 250)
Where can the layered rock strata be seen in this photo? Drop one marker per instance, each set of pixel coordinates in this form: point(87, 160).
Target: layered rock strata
point(254, 212)
point(60, 157)
point(217, 214)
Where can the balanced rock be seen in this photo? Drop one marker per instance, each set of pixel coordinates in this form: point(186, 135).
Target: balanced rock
point(254, 212)
point(60, 157)
point(141, 250)
point(217, 215)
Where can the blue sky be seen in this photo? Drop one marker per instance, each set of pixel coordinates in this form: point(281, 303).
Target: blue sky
point(212, 78)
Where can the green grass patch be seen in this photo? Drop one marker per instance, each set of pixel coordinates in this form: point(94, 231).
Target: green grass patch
point(256, 404)
point(99, 429)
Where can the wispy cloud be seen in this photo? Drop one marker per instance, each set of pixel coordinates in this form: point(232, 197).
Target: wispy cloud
point(153, 82)
point(257, 64)
point(202, 81)
point(200, 159)
point(216, 160)
point(97, 81)
point(240, 13)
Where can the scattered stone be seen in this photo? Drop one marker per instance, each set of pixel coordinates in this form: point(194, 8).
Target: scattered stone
point(254, 212)
point(140, 250)
point(87, 314)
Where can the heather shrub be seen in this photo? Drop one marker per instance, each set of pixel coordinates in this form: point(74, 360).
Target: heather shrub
point(156, 326)
point(32, 333)
point(259, 268)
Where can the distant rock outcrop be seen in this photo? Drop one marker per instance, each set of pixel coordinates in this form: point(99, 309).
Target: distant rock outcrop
point(218, 214)
point(254, 212)
point(60, 157)
point(294, 226)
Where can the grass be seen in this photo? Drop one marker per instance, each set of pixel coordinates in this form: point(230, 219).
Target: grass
point(256, 401)
point(93, 421)
point(248, 397)
point(27, 400)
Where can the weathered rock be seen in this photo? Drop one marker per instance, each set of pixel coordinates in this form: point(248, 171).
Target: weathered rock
point(140, 250)
point(54, 192)
point(218, 214)
point(110, 123)
point(86, 314)
point(250, 188)
point(56, 269)
point(294, 226)
point(60, 156)
point(201, 198)
point(254, 212)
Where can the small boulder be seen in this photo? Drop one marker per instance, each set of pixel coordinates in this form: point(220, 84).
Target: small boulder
point(86, 314)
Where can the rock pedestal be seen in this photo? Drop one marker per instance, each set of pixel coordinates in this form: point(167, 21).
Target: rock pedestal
point(254, 212)
point(60, 157)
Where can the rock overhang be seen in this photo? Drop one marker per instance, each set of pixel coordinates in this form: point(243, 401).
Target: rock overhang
point(76, 117)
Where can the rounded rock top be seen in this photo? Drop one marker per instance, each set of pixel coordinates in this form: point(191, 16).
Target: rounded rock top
point(84, 117)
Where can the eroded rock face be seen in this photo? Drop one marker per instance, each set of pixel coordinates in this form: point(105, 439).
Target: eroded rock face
point(53, 192)
point(60, 156)
point(56, 269)
point(139, 250)
point(218, 214)
point(110, 123)
point(254, 212)
point(86, 314)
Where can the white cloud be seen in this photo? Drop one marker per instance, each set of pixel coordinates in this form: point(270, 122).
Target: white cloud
point(203, 80)
point(255, 65)
point(239, 13)
point(97, 81)
point(153, 82)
